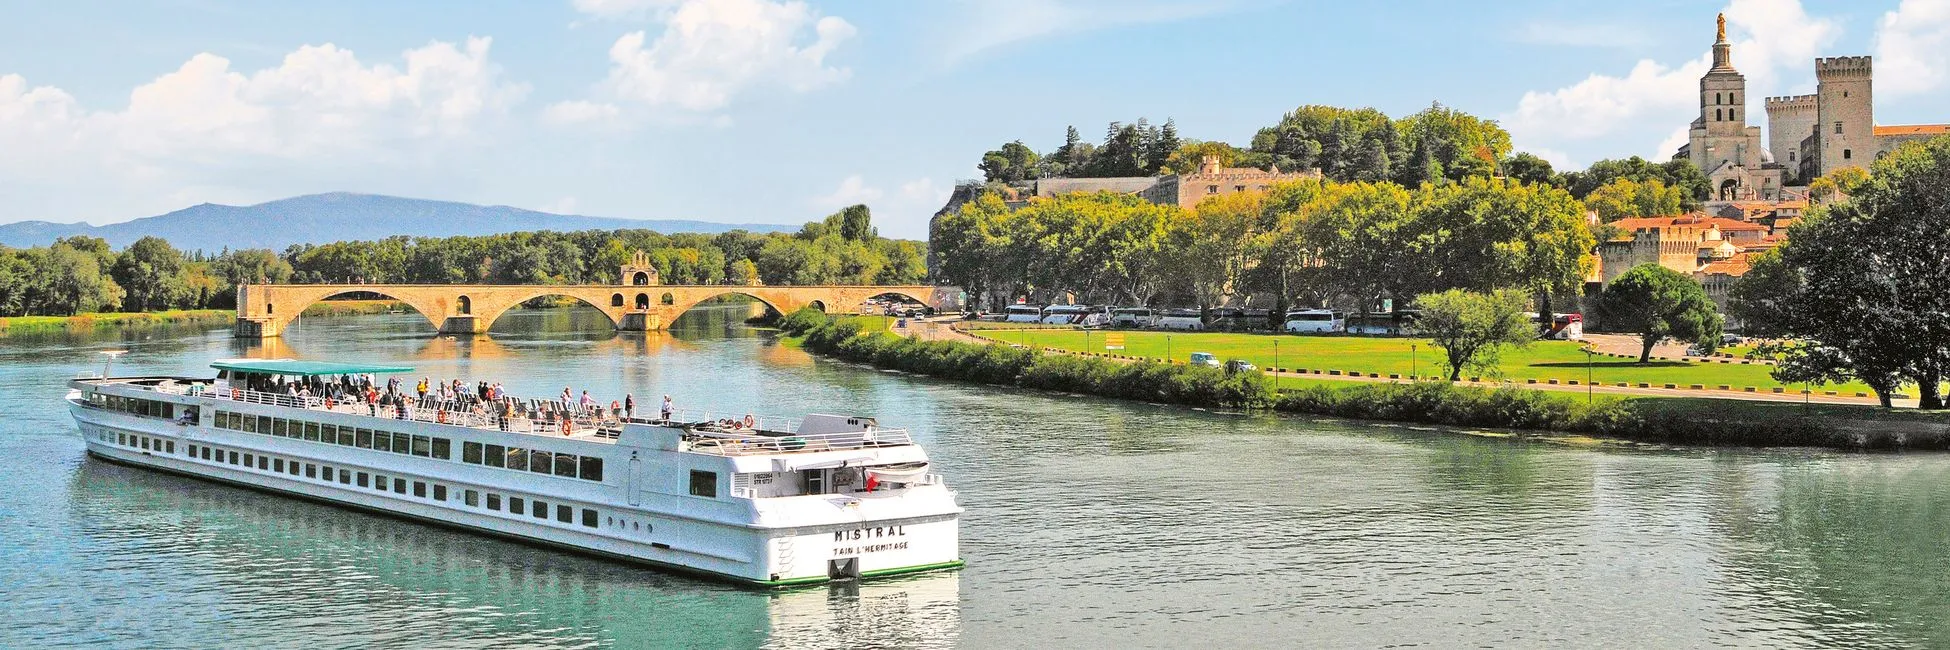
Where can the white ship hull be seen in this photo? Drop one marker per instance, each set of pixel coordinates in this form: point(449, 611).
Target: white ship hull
point(776, 541)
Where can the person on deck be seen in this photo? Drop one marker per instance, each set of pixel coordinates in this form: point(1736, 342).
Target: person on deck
point(629, 405)
point(666, 414)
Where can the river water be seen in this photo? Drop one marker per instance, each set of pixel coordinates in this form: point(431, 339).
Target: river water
point(1090, 523)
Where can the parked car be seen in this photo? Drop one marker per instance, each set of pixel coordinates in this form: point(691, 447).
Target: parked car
point(1732, 339)
point(1239, 365)
point(1204, 359)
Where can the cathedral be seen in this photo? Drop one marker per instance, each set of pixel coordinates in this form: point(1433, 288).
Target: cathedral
point(1808, 136)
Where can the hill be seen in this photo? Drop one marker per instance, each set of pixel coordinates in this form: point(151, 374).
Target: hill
point(338, 216)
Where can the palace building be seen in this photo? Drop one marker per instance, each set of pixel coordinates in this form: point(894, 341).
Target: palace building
point(1808, 136)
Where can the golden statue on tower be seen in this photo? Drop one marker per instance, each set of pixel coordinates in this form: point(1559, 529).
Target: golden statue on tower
point(1723, 27)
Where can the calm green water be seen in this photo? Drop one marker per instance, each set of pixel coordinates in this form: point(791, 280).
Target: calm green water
point(1090, 523)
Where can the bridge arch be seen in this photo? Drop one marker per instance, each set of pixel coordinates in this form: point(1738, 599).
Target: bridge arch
point(491, 310)
point(678, 307)
point(291, 304)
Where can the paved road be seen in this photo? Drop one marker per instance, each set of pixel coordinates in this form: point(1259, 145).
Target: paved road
point(942, 329)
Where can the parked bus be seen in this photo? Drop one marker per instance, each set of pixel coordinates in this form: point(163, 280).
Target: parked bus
point(1023, 314)
point(1133, 317)
point(1181, 319)
point(1316, 321)
point(1063, 314)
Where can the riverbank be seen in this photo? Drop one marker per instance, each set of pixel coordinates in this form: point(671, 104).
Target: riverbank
point(93, 322)
point(1650, 419)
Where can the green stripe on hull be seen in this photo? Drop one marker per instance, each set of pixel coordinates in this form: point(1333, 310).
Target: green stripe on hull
point(664, 566)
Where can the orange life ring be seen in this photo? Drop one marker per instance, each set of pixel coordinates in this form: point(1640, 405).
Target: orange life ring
point(441, 417)
point(236, 393)
point(566, 426)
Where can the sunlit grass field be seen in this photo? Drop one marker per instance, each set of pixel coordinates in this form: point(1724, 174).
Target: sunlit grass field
point(1543, 361)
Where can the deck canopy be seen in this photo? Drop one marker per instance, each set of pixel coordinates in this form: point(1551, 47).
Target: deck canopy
point(296, 368)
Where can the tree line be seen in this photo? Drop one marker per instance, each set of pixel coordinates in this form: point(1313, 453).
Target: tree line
point(83, 274)
point(1436, 145)
point(1306, 242)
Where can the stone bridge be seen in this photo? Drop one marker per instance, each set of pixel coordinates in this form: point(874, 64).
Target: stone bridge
point(264, 310)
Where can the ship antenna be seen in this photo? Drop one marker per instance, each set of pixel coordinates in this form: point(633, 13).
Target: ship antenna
point(109, 357)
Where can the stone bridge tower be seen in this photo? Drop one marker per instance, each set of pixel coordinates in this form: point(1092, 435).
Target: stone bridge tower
point(639, 272)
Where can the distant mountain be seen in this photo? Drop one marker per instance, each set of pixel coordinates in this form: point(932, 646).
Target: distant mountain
point(338, 216)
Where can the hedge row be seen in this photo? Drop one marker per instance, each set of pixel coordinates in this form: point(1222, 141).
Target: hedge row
point(1426, 402)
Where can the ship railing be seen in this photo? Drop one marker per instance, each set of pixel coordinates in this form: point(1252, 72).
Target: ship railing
point(681, 417)
point(747, 443)
point(456, 416)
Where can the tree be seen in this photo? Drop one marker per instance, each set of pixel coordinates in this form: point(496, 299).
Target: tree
point(151, 273)
point(1167, 144)
point(1014, 162)
point(1623, 198)
point(1682, 174)
point(741, 272)
point(1472, 328)
point(1837, 184)
point(853, 223)
point(1659, 303)
point(70, 281)
point(1862, 279)
point(1213, 247)
point(1528, 169)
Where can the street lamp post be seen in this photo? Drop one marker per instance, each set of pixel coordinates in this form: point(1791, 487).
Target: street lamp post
point(1167, 349)
point(1276, 364)
point(1412, 365)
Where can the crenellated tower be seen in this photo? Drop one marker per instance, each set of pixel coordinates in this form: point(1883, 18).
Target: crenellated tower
point(1845, 132)
point(1790, 120)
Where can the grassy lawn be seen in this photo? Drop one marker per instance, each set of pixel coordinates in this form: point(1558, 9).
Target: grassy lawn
point(86, 322)
point(1542, 361)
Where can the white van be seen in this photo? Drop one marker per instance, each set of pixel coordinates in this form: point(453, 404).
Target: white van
point(1133, 317)
point(1316, 321)
point(1181, 319)
point(1022, 314)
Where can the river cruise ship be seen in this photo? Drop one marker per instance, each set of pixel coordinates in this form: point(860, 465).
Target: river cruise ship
point(762, 502)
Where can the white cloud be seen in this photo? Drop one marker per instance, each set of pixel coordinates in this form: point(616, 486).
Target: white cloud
point(621, 8)
point(987, 24)
point(924, 191)
point(1770, 38)
point(319, 102)
point(712, 51)
point(1913, 48)
point(853, 189)
point(564, 205)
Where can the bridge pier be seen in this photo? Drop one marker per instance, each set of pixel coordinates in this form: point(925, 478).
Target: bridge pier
point(258, 328)
point(465, 324)
point(640, 321)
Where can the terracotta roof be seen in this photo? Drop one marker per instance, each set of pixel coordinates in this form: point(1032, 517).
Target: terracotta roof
point(1735, 266)
point(1913, 129)
point(1726, 224)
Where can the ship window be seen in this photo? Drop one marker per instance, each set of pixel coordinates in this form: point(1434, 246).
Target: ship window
point(493, 501)
point(496, 456)
point(311, 471)
point(565, 514)
point(362, 479)
point(592, 468)
point(311, 428)
point(420, 489)
point(192, 451)
point(249, 461)
point(345, 476)
point(169, 446)
point(327, 433)
point(365, 439)
point(206, 453)
point(279, 464)
point(589, 517)
point(382, 441)
point(439, 492)
point(325, 472)
point(233, 458)
point(264, 424)
point(347, 436)
point(278, 428)
point(515, 504)
point(471, 498)
point(443, 448)
point(422, 446)
point(399, 485)
point(518, 459)
point(122, 439)
point(539, 509)
point(143, 443)
point(294, 467)
point(250, 425)
point(541, 462)
point(470, 452)
point(263, 462)
point(565, 465)
point(402, 443)
point(379, 482)
point(704, 484)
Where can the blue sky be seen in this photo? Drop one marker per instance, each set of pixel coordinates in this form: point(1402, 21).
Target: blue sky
point(782, 111)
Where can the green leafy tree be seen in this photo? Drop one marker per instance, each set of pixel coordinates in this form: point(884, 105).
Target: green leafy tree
point(69, 281)
point(741, 272)
point(1013, 162)
point(1659, 303)
point(151, 273)
point(1682, 174)
point(1625, 198)
point(1526, 168)
point(1837, 184)
point(1862, 279)
point(1473, 328)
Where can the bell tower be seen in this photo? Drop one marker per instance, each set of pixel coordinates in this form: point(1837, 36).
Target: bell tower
point(639, 272)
